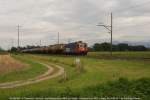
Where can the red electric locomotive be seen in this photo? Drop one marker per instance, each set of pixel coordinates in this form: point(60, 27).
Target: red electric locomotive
point(76, 48)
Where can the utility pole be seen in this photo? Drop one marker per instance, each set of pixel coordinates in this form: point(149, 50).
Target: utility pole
point(12, 42)
point(110, 31)
point(69, 40)
point(18, 36)
point(40, 43)
point(58, 37)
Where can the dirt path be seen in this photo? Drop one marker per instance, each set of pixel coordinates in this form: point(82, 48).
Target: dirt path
point(47, 75)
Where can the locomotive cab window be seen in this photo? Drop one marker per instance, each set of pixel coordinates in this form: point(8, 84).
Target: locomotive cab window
point(81, 45)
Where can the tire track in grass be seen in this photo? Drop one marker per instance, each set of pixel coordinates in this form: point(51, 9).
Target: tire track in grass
point(47, 75)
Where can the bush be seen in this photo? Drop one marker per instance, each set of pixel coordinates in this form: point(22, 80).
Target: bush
point(1, 50)
point(117, 47)
point(122, 87)
point(119, 88)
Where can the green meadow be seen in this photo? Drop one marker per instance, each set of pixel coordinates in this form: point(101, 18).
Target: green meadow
point(122, 74)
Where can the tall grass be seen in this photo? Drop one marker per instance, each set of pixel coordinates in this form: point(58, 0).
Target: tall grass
point(8, 64)
point(119, 88)
point(32, 70)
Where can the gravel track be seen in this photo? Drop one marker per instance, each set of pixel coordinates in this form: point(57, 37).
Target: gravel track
point(47, 75)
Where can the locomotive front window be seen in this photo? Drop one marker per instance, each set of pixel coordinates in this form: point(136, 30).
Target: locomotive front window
point(82, 45)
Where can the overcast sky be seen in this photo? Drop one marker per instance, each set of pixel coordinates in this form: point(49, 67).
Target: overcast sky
point(74, 19)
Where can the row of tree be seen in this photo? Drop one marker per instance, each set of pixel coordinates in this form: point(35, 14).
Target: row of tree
point(14, 49)
point(2, 51)
point(118, 47)
point(100, 47)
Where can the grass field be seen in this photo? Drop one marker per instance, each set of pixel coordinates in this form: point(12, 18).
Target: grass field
point(121, 55)
point(124, 74)
point(8, 64)
point(12, 69)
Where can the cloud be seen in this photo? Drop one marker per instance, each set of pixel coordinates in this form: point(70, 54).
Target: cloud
point(74, 19)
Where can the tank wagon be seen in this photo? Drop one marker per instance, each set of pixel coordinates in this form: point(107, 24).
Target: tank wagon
point(78, 48)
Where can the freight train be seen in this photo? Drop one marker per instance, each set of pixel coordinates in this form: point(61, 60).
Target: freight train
point(77, 48)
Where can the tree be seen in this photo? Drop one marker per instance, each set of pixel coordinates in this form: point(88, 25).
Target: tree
point(96, 47)
point(138, 48)
point(13, 49)
point(123, 47)
point(118, 47)
point(101, 47)
point(2, 50)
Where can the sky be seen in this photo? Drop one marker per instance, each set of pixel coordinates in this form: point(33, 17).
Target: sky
point(41, 20)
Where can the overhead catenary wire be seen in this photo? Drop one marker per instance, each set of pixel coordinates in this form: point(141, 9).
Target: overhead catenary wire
point(110, 29)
